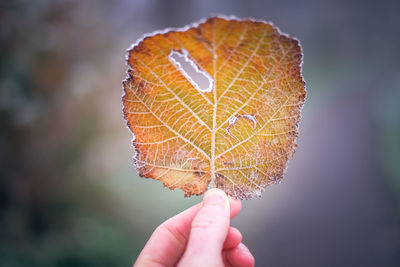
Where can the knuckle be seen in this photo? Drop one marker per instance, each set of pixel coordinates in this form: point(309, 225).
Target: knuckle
point(205, 224)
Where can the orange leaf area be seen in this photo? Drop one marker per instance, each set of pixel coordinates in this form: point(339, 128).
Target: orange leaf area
point(236, 128)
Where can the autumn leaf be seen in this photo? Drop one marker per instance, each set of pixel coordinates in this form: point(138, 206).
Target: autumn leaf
point(217, 103)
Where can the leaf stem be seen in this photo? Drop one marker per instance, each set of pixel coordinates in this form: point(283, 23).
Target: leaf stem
point(214, 89)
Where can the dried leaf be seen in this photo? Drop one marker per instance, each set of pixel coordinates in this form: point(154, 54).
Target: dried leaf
point(233, 126)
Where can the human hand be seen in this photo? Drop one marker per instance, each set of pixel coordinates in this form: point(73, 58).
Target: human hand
point(199, 236)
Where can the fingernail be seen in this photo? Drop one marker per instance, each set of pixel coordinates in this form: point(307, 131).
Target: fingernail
point(215, 197)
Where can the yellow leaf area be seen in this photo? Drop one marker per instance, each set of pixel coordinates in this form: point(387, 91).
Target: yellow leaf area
point(236, 135)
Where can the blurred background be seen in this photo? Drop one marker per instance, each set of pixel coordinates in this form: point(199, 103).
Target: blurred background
point(70, 195)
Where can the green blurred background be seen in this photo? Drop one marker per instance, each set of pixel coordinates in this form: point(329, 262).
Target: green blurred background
point(69, 193)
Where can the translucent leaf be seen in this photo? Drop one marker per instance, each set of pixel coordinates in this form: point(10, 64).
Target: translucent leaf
point(217, 103)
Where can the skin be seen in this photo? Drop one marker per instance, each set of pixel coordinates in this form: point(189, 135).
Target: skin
point(199, 236)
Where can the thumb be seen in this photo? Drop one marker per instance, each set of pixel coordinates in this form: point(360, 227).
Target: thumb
point(208, 232)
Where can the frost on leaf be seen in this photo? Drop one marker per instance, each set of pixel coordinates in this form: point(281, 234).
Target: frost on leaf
point(216, 104)
point(200, 80)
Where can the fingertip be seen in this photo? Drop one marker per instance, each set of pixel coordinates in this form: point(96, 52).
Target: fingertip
point(215, 196)
point(246, 254)
point(215, 191)
point(240, 256)
point(235, 206)
point(235, 201)
point(233, 238)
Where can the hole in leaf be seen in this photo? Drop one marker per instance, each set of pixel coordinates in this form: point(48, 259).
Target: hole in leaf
point(200, 79)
